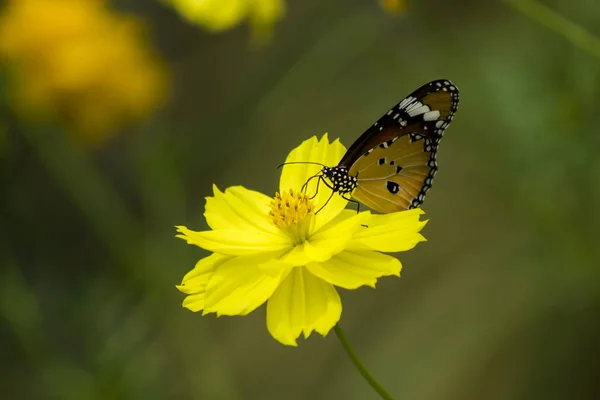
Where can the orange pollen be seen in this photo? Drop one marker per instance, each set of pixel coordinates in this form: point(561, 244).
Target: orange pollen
point(290, 208)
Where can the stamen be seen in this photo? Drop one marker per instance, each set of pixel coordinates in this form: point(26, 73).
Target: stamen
point(291, 209)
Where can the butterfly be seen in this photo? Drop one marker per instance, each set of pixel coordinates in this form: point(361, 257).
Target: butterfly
point(391, 166)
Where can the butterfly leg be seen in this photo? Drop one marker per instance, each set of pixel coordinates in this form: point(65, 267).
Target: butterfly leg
point(305, 186)
point(357, 207)
point(323, 206)
point(353, 201)
point(317, 189)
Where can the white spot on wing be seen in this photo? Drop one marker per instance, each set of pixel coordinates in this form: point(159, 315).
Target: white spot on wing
point(417, 108)
point(431, 115)
point(404, 103)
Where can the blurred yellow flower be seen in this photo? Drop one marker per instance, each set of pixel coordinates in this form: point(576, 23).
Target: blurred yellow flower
point(220, 15)
point(393, 6)
point(277, 250)
point(77, 63)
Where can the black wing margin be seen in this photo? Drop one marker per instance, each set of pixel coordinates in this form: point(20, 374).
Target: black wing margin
point(428, 110)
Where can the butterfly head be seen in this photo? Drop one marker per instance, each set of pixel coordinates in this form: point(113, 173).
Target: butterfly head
point(341, 181)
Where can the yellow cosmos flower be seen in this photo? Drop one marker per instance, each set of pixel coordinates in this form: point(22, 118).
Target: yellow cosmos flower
point(277, 250)
point(77, 63)
point(220, 15)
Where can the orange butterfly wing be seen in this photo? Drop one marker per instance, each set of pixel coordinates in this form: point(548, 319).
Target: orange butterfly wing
point(391, 179)
point(394, 161)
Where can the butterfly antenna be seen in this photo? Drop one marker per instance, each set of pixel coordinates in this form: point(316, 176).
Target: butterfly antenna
point(300, 162)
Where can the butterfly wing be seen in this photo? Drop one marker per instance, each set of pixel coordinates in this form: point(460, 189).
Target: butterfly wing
point(395, 159)
point(396, 177)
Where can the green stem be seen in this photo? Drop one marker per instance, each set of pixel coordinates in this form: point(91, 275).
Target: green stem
point(574, 33)
point(359, 365)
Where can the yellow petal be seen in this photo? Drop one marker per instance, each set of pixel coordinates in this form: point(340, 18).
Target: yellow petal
point(393, 232)
point(238, 286)
point(328, 241)
point(239, 208)
point(194, 302)
point(294, 176)
point(352, 269)
point(301, 304)
point(305, 252)
point(236, 242)
point(334, 236)
point(194, 282)
point(275, 267)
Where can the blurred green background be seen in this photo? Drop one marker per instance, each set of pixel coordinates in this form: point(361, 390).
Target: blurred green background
point(502, 302)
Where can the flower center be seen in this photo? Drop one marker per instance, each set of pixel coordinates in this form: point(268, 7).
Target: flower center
point(292, 212)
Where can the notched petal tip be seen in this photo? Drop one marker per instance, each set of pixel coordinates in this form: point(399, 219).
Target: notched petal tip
point(239, 286)
point(194, 302)
point(185, 233)
point(216, 190)
point(290, 342)
point(190, 236)
point(391, 233)
point(179, 236)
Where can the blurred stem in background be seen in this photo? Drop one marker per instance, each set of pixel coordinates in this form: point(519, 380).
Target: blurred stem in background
point(134, 245)
point(22, 315)
point(359, 365)
point(578, 36)
point(95, 197)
